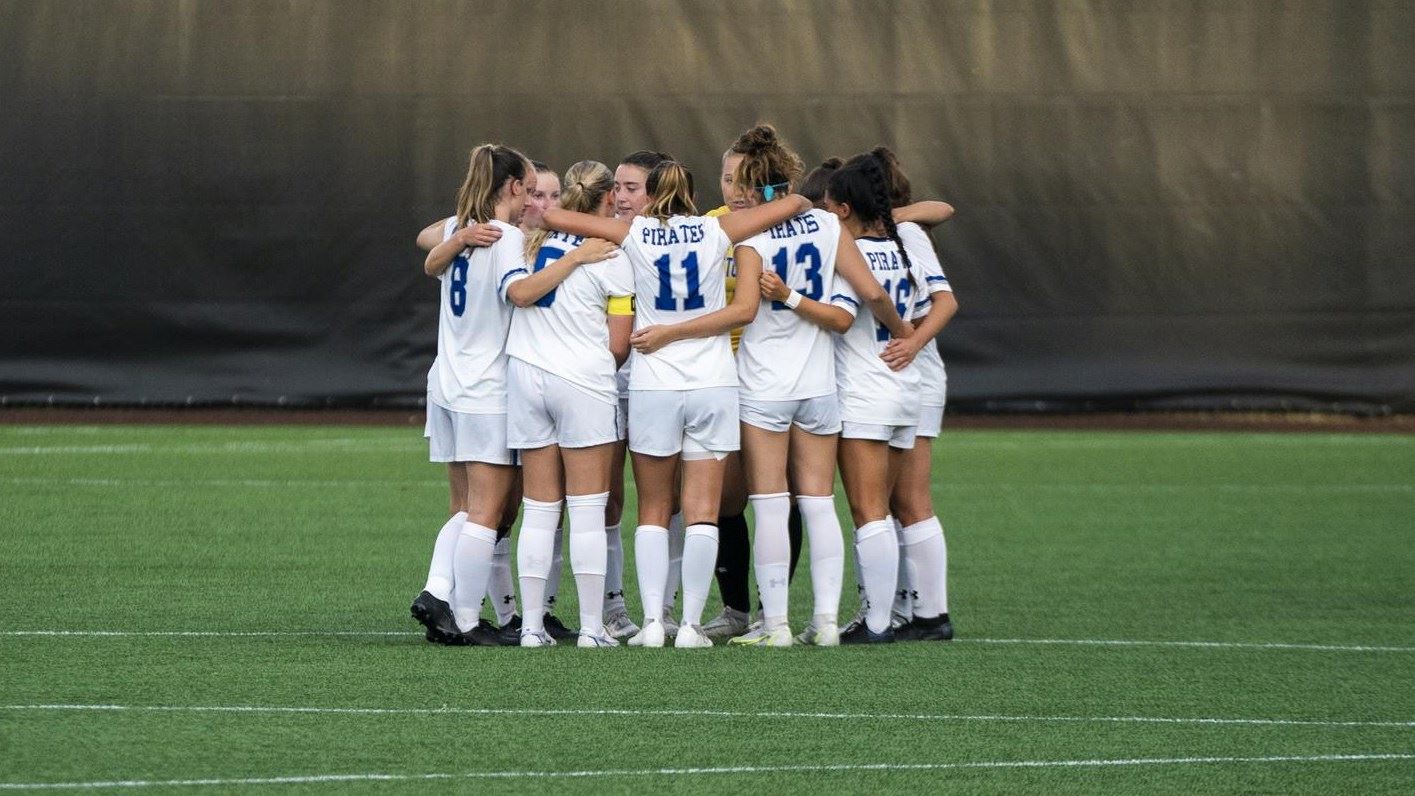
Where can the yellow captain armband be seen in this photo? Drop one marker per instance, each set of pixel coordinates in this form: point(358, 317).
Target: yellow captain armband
point(621, 305)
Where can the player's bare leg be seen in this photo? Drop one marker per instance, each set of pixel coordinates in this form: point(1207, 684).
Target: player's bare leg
point(733, 555)
point(587, 478)
point(812, 478)
point(922, 546)
point(489, 488)
point(764, 454)
point(616, 618)
point(655, 478)
point(433, 607)
point(867, 469)
point(701, 498)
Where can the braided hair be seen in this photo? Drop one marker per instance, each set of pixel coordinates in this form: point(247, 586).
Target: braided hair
point(863, 183)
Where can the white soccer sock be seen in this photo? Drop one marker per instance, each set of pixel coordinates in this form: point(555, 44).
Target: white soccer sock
point(879, 566)
point(500, 588)
point(827, 551)
point(439, 572)
point(535, 550)
point(471, 565)
point(923, 545)
point(557, 569)
point(651, 562)
point(859, 578)
point(771, 555)
point(675, 563)
point(699, 561)
point(588, 553)
point(613, 570)
point(906, 585)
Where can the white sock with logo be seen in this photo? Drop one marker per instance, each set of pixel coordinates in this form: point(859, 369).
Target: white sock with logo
point(501, 589)
point(535, 551)
point(904, 590)
point(923, 545)
point(771, 555)
point(879, 567)
point(557, 570)
point(827, 552)
point(588, 554)
point(439, 571)
point(613, 570)
point(674, 576)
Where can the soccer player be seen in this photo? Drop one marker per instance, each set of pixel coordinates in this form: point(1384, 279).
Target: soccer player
point(630, 198)
point(879, 405)
point(545, 192)
point(789, 407)
point(683, 383)
point(563, 402)
point(466, 406)
point(922, 597)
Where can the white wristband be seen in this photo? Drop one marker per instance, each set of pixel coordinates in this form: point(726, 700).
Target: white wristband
point(794, 300)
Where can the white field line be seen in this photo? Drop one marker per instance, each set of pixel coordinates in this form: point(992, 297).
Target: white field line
point(682, 772)
point(696, 713)
point(267, 483)
point(1084, 642)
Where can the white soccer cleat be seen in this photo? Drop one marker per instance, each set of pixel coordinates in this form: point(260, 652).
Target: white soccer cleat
point(588, 641)
point(823, 634)
point(536, 638)
point(730, 622)
point(759, 636)
point(691, 637)
point(619, 625)
point(650, 636)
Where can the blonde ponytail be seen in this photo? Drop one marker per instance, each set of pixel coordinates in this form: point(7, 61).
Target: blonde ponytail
point(585, 186)
point(670, 187)
point(488, 169)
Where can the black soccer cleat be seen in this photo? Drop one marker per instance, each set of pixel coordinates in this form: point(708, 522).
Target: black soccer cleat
point(483, 634)
point(861, 634)
point(935, 628)
point(510, 632)
point(436, 616)
point(558, 630)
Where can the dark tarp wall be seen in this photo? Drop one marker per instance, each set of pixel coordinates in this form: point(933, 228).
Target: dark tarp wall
point(1158, 199)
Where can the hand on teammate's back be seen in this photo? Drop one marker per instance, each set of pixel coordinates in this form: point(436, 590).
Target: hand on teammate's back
point(479, 235)
point(898, 353)
point(594, 250)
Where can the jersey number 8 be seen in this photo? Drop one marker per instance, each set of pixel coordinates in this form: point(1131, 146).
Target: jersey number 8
point(457, 289)
point(546, 255)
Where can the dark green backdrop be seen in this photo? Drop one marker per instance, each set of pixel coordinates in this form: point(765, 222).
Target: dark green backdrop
point(1166, 202)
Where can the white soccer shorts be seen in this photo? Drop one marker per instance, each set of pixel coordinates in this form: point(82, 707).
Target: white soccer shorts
point(544, 409)
point(465, 437)
point(898, 437)
point(660, 420)
point(930, 421)
point(820, 415)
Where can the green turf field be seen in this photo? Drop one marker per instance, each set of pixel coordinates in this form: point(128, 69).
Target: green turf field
point(1135, 612)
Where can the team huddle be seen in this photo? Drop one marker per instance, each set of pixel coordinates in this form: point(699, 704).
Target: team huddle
point(739, 356)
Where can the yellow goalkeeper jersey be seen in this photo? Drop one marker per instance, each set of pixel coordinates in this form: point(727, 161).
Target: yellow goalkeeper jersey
point(731, 269)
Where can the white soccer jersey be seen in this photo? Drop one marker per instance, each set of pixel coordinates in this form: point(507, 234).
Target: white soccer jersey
point(566, 332)
point(469, 374)
point(678, 276)
point(927, 271)
point(784, 357)
point(869, 391)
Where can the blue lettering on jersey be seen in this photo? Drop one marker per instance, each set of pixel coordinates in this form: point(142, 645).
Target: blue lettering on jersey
point(668, 235)
point(573, 240)
point(800, 225)
point(883, 261)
